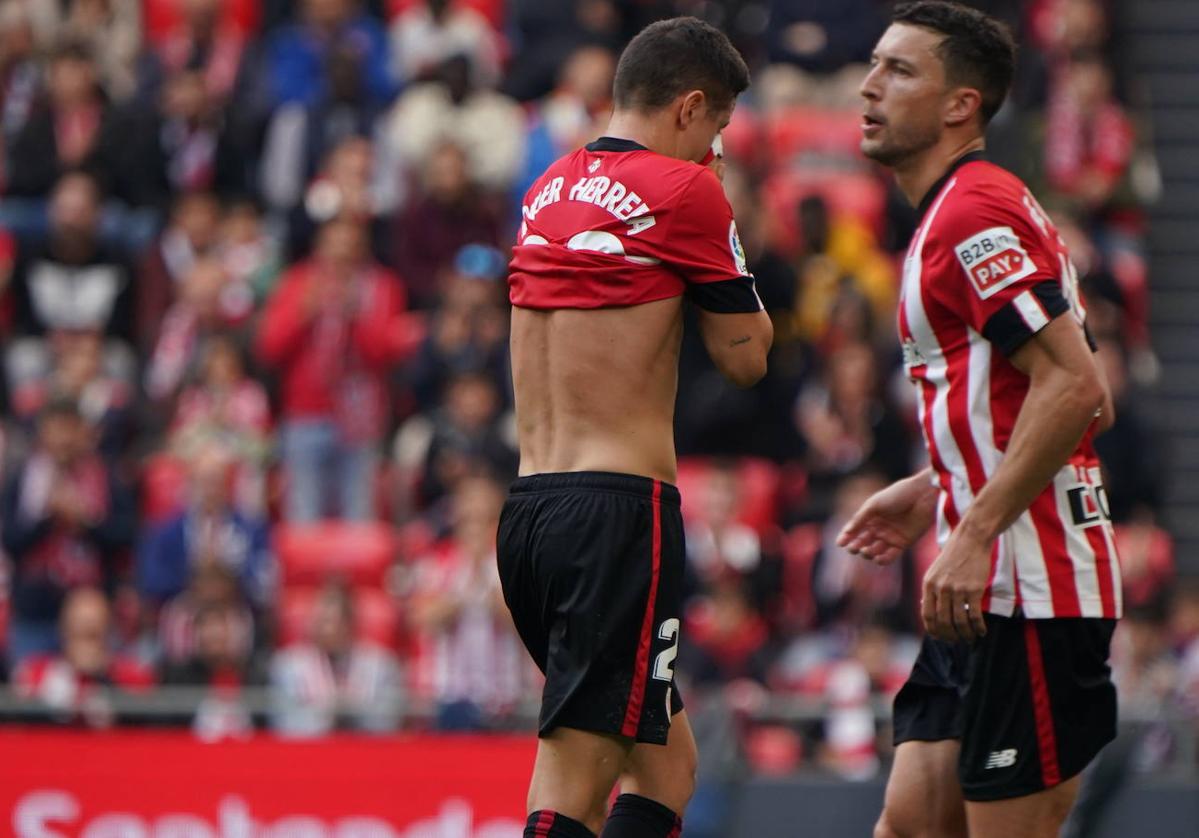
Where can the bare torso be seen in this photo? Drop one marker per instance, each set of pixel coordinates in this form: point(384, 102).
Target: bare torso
point(595, 388)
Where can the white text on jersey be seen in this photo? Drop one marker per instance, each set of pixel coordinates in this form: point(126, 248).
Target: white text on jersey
point(601, 191)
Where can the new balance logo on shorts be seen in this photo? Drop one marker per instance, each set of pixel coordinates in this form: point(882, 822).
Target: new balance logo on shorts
point(1001, 759)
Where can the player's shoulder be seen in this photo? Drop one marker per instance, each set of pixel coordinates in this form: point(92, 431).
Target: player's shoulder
point(980, 195)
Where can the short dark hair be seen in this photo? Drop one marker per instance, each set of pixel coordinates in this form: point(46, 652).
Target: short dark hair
point(674, 56)
point(978, 50)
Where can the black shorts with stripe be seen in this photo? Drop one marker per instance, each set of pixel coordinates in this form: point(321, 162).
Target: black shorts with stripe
point(1032, 702)
point(591, 565)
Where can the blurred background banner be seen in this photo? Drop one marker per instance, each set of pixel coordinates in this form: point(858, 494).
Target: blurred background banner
point(169, 785)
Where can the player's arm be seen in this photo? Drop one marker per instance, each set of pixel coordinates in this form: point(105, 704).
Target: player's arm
point(737, 344)
point(703, 246)
point(892, 519)
point(1065, 392)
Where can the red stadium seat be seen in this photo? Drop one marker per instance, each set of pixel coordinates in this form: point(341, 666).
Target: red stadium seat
point(358, 552)
point(376, 614)
point(164, 488)
point(760, 482)
point(773, 750)
point(836, 133)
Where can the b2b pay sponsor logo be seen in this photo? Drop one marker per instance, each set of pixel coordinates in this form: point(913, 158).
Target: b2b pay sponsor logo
point(993, 259)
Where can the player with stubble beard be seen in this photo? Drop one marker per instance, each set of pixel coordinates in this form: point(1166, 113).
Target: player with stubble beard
point(1010, 696)
point(590, 547)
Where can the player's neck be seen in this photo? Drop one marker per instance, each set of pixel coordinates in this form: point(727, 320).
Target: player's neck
point(649, 131)
point(916, 176)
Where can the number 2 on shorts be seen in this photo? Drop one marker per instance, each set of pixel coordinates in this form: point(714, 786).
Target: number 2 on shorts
point(664, 662)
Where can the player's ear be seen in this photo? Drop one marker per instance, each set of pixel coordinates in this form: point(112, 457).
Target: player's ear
point(963, 104)
point(692, 107)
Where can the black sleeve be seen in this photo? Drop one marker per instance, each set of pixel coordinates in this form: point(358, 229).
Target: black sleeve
point(1009, 329)
point(728, 296)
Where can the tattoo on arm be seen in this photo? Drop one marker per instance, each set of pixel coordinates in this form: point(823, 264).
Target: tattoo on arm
point(740, 340)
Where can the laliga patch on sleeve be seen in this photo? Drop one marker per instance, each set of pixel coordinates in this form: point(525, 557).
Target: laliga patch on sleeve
point(737, 250)
point(994, 259)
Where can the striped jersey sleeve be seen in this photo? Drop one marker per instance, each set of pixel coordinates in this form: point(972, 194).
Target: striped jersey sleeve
point(1006, 279)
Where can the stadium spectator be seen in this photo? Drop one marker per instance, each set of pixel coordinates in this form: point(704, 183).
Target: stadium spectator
point(450, 212)
point(210, 585)
point(191, 233)
point(209, 531)
point(848, 423)
point(572, 114)
point(488, 126)
point(20, 72)
point(208, 304)
point(109, 29)
point(719, 546)
point(724, 638)
point(77, 374)
point(327, 330)
point(429, 32)
point(66, 522)
point(226, 407)
point(335, 680)
point(546, 32)
point(71, 128)
point(469, 660)
point(346, 186)
point(1089, 139)
point(222, 663)
point(846, 589)
point(71, 282)
point(250, 252)
point(871, 672)
point(468, 331)
point(181, 145)
point(297, 54)
point(468, 433)
point(201, 41)
point(838, 259)
point(75, 685)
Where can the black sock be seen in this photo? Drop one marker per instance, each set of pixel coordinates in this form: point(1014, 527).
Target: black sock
point(634, 816)
point(547, 824)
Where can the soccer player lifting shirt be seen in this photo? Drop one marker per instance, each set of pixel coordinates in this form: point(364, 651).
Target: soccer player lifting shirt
point(613, 238)
point(1011, 695)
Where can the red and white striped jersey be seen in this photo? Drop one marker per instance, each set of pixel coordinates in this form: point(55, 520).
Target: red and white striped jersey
point(986, 271)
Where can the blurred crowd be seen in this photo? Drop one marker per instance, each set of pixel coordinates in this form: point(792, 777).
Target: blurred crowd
point(255, 378)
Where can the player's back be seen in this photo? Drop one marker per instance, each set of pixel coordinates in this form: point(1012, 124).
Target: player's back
point(612, 236)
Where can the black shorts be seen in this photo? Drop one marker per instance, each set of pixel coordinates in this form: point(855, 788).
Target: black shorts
point(1032, 702)
point(591, 565)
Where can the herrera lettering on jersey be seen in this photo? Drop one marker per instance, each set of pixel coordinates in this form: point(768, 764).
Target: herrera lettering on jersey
point(615, 224)
point(600, 191)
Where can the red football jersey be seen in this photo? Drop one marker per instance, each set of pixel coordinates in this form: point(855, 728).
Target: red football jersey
point(615, 224)
point(986, 271)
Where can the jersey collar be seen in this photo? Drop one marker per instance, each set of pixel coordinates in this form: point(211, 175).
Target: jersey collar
point(931, 194)
point(615, 144)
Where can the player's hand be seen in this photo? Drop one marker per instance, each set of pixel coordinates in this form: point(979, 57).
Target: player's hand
point(951, 606)
point(891, 520)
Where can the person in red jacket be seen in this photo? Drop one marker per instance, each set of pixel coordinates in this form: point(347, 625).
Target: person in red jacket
point(328, 332)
